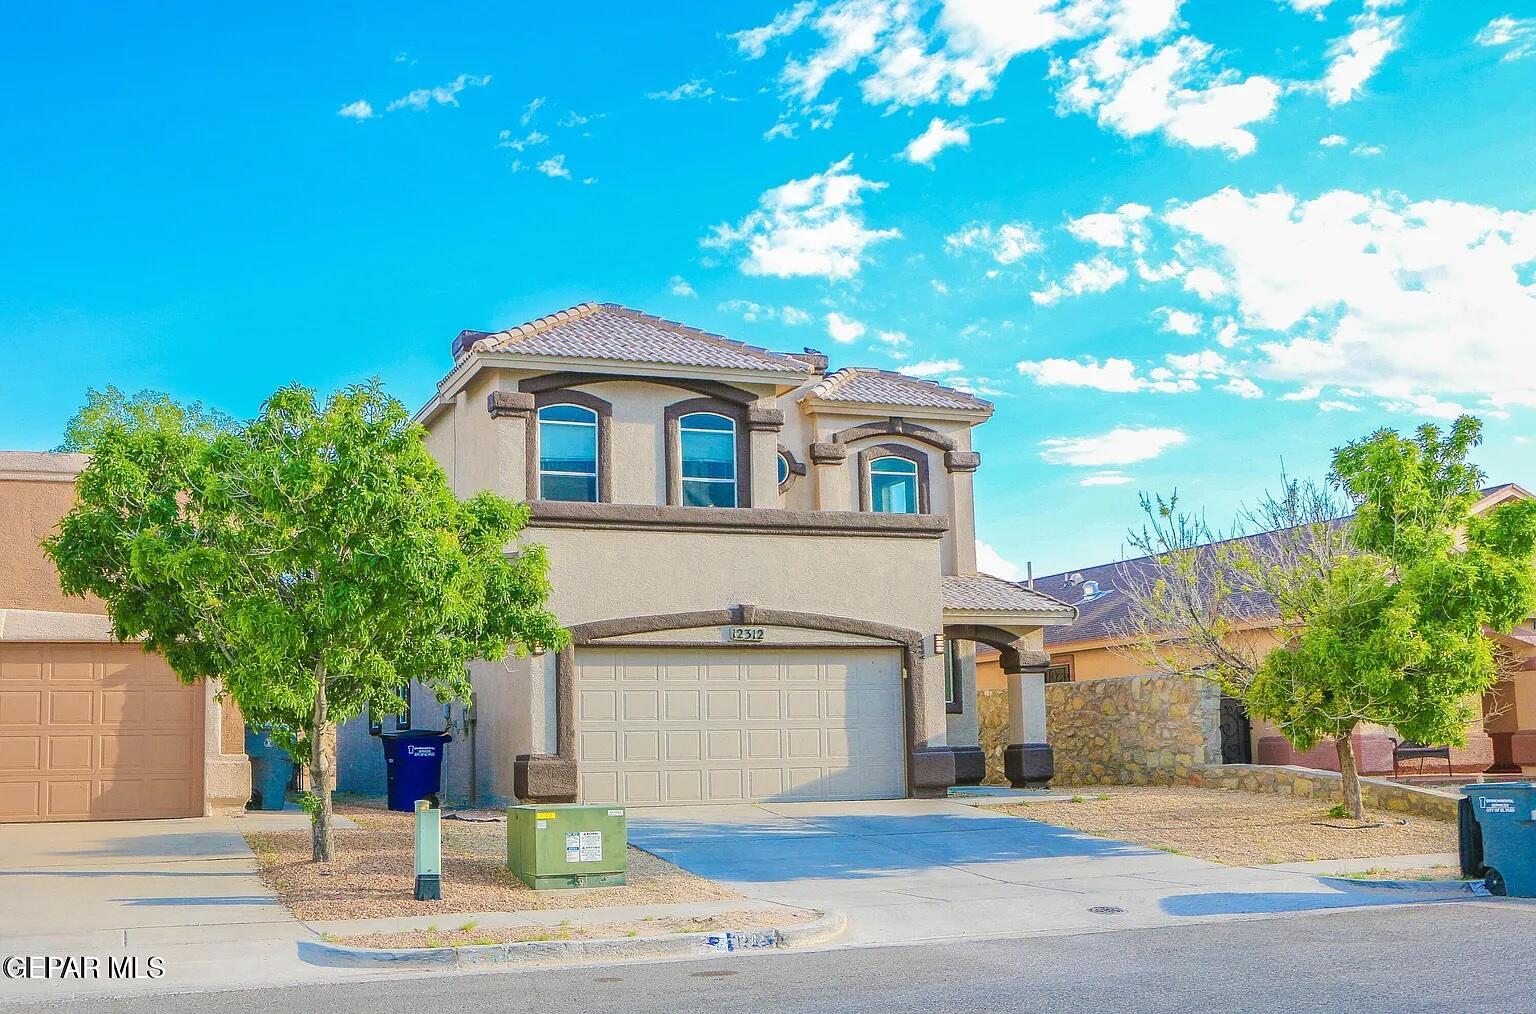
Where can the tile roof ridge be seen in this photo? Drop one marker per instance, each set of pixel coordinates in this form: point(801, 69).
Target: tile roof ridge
point(1022, 587)
point(735, 344)
point(843, 374)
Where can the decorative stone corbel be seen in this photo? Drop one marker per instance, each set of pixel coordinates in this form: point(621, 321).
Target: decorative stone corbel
point(514, 404)
point(962, 461)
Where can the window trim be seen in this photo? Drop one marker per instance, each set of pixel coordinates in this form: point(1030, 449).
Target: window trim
point(1065, 663)
point(954, 698)
point(581, 399)
point(913, 454)
point(737, 414)
point(796, 468)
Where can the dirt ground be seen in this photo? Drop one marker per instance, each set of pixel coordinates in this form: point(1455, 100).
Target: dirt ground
point(469, 934)
point(374, 873)
point(1424, 873)
point(1238, 828)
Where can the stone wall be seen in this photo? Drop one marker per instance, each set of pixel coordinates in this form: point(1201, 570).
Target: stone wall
point(992, 731)
point(1133, 730)
point(1307, 783)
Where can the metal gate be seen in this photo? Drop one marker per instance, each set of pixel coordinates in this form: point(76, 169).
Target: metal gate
point(1236, 732)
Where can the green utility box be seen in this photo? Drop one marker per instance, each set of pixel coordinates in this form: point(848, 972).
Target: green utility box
point(567, 845)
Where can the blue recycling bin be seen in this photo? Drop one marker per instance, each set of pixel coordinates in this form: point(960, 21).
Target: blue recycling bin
point(1506, 819)
point(413, 764)
point(271, 771)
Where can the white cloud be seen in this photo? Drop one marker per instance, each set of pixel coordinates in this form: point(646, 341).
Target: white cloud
point(359, 110)
point(809, 227)
point(697, 88)
point(1007, 243)
point(939, 287)
point(1355, 57)
point(1337, 406)
point(1519, 34)
point(1333, 141)
point(925, 147)
point(1112, 229)
point(894, 342)
point(932, 367)
point(679, 286)
point(1173, 90)
point(442, 95)
point(844, 329)
point(531, 109)
point(1105, 479)
point(1180, 321)
point(1367, 150)
point(1242, 387)
point(753, 42)
point(554, 167)
point(531, 139)
point(1115, 376)
point(990, 561)
point(1126, 62)
point(752, 312)
point(1099, 274)
point(1123, 445)
point(1399, 299)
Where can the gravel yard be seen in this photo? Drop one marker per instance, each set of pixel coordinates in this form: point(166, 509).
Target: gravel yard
point(1238, 828)
point(374, 871)
point(469, 935)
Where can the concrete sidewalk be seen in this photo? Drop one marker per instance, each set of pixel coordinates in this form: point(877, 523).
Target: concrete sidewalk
point(913, 870)
point(184, 891)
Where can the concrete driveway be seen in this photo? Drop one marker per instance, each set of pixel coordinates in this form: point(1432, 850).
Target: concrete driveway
point(185, 891)
point(908, 870)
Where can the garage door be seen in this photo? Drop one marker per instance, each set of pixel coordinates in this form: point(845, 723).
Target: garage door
point(96, 732)
point(703, 725)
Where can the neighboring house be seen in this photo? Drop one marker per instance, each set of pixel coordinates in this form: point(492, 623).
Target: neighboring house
point(92, 729)
point(1097, 646)
point(768, 570)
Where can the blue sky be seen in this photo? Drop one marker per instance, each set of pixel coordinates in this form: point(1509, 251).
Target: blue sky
point(1178, 244)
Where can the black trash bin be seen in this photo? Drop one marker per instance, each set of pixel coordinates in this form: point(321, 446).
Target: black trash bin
point(413, 762)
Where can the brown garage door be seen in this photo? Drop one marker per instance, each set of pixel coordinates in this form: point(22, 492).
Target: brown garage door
point(96, 732)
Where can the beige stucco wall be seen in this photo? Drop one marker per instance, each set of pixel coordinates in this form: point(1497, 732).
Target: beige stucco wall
point(35, 492)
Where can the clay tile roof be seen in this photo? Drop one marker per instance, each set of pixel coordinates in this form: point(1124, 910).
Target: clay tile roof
point(611, 331)
point(883, 387)
point(974, 593)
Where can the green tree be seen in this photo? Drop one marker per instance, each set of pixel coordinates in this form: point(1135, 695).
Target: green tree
point(312, 560)
point(1325, 619)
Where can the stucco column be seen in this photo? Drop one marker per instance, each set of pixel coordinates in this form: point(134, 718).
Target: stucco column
point(834, 480)
point(960, 543)
point(511, 415)
point(1027, 758)
point(1522, 743)
point(763, 424)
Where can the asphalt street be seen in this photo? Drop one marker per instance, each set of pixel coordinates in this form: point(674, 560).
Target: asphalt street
point(1469, 956)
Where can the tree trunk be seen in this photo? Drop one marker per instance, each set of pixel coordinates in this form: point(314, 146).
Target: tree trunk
point(320, 777)
point(1351, 779)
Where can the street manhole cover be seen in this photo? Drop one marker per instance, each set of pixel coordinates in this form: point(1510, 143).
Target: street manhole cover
point(1106, 910)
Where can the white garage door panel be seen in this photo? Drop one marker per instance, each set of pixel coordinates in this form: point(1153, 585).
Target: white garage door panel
point(683, 725)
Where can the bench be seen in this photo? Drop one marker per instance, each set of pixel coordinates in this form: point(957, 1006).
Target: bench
point(1409, 750)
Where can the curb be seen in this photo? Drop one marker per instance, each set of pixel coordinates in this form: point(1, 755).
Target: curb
point(534, 952)
point(1456, 887)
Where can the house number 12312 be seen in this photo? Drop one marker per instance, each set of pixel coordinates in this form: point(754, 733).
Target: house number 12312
point(748, 634)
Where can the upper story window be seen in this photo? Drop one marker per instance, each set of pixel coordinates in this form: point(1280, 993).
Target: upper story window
point(893, 486)
point(568, 453)
point(707, 452)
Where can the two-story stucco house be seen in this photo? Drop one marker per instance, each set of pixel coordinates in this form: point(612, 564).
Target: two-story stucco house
point(768, 570)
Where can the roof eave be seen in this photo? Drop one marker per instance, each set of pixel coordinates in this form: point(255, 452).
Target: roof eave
point(1011, 617)
point(975, 416)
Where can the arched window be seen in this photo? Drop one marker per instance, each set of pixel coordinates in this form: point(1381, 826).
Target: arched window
point(707, 454)
point(568, 453)
point(893, 486)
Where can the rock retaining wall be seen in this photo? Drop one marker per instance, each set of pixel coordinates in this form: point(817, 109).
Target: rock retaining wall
point(1307, 783)
point(1133, 730)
